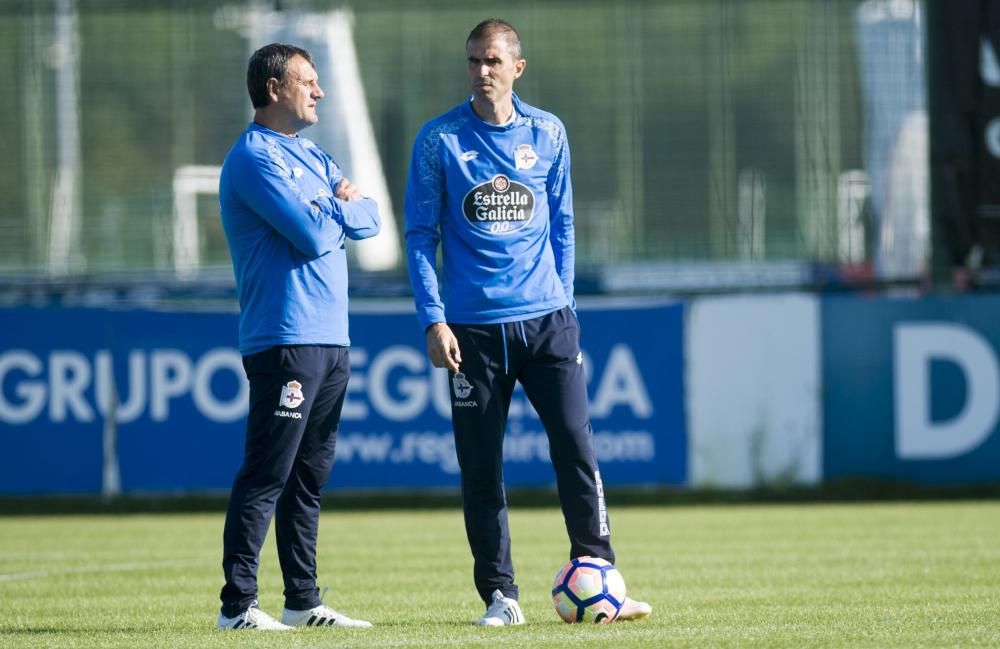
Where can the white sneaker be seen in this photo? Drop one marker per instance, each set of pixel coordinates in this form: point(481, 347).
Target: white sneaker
point(321, 615)
point(634, 610)
point(501, 612)
point(252, 618)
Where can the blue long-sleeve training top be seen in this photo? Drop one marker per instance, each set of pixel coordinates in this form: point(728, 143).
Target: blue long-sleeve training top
point(499, 201)
point(286, 233)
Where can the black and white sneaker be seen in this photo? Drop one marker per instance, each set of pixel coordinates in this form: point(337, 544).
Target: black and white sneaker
point(252, 618)
point(321, 615)
point(501, 612)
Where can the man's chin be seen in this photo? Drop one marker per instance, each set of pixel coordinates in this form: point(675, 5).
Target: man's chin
point(308, 121)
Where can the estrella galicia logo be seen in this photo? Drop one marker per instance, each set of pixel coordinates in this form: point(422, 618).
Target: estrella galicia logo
point(461, 386)
point(499, 206)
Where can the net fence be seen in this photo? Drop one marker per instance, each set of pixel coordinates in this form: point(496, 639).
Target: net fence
point(718, 138)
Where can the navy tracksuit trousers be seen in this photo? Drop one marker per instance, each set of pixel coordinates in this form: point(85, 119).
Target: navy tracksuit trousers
point(296, 395)
point(544, 355)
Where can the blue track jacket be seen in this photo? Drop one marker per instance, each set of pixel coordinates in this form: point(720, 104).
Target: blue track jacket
point(500, 202)
point(286, 235)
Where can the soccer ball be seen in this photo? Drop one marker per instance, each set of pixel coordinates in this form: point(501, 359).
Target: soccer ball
point(588, 589)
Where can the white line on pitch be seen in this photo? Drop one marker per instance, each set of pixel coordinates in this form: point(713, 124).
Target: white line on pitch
point(114, 567)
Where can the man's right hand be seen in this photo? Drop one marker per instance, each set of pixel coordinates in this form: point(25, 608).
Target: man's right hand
point(442, 347)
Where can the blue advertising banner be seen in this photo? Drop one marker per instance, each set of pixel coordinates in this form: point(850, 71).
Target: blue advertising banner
point(912, 388)
point(160, 399)
point(171, 383)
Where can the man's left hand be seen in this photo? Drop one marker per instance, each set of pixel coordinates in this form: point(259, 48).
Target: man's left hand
point(346, 191)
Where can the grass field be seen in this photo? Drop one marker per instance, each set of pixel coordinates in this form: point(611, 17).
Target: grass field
point(820, 575)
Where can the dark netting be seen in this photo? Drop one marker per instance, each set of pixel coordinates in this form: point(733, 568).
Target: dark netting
point(708, 137)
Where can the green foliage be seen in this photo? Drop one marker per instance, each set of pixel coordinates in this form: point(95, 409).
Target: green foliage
point(666, 103)
point(870, 575)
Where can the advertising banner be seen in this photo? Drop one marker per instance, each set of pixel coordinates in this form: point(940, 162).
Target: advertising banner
point(754, 404)
point(158, 401)
point(964, 97)
point(912, 388)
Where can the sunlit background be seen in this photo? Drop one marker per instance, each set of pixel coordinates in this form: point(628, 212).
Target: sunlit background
point(716, 144)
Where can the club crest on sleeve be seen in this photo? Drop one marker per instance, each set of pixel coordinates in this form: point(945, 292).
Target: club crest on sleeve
point(291, 395)
point(524, 157)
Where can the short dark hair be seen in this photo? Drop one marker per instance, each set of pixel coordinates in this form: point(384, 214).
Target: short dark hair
point(267, 62)
point(493, 27)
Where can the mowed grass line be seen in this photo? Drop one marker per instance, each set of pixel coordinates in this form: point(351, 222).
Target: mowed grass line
point(866, 575)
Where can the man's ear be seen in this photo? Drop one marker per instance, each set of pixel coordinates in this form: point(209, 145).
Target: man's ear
point(519, 66)
point(272, 88)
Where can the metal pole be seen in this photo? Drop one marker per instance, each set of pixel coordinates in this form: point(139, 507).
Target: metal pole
point(64, 234)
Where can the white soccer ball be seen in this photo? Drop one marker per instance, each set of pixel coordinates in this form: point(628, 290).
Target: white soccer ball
point(588, 589)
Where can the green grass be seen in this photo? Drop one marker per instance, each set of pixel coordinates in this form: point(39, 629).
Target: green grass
point(806, 575)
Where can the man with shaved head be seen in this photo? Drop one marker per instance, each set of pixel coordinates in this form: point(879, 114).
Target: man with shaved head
point(490, 184)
